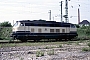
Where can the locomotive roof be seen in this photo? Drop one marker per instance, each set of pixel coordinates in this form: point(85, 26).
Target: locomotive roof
point(42, 22)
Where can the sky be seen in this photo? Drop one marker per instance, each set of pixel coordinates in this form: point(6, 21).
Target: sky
point(14, 10)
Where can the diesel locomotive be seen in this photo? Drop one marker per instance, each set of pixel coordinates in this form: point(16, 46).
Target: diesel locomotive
point(41, 29)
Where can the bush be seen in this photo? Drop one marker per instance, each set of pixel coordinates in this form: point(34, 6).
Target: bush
point(69, 43)
point(5, 33)
point(60, 46)
point(51, 52)
point(89, 44)
point(82, 38)
point(39, 54)
point(83, 33)
point(5, 24)
point(1, 39)
point(47, 47)
point(77, 26)
point(85, 49)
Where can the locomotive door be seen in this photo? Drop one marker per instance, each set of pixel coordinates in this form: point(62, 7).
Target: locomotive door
point(67, 29)
point(22, 27)
point(26, 27)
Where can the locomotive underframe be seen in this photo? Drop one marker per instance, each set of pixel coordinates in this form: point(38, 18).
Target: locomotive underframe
point(38, 36)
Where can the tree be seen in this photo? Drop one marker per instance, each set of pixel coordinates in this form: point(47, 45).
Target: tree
point(77, 26)
point(88, 30)
point(5, 24)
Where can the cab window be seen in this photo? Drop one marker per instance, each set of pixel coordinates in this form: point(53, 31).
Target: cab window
point(22, 24)
point(16, 24)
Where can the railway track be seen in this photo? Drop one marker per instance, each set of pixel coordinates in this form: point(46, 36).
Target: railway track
point(8, 41)
point(43, 40)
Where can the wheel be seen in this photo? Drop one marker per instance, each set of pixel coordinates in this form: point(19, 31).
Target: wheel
point(13, 38)
point(23, 40)
point(36, 40)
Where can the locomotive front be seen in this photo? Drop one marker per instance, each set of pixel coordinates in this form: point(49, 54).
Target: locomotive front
point(20, 31)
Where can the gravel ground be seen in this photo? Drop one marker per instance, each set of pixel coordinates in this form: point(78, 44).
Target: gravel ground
point(67, 52)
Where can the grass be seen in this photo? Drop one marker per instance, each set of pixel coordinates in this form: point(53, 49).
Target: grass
point(80, 41)
point(69, 42)
point(5, 33)
point(59, 44)
point(30, 44)
point(89, 44)
point(85, 49)
point(47, 47)
point(51, 52)
point(50, 47)
point(39, 54)
point(21, 58)
point(8, 45)
point(77, 43)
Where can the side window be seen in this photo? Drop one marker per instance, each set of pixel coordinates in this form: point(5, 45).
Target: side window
point(51, 30)
point(45, 29)
point(63, 30)
point(32, 29)
point(72, 26)
point(27, 24)
point(57, 30)
point(39, 30)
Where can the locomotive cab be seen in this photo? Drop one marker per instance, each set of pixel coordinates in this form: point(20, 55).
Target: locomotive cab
point(17, 26)
point(20, 31)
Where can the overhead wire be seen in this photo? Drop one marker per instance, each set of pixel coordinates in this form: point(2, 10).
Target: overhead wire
point(80, 4)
